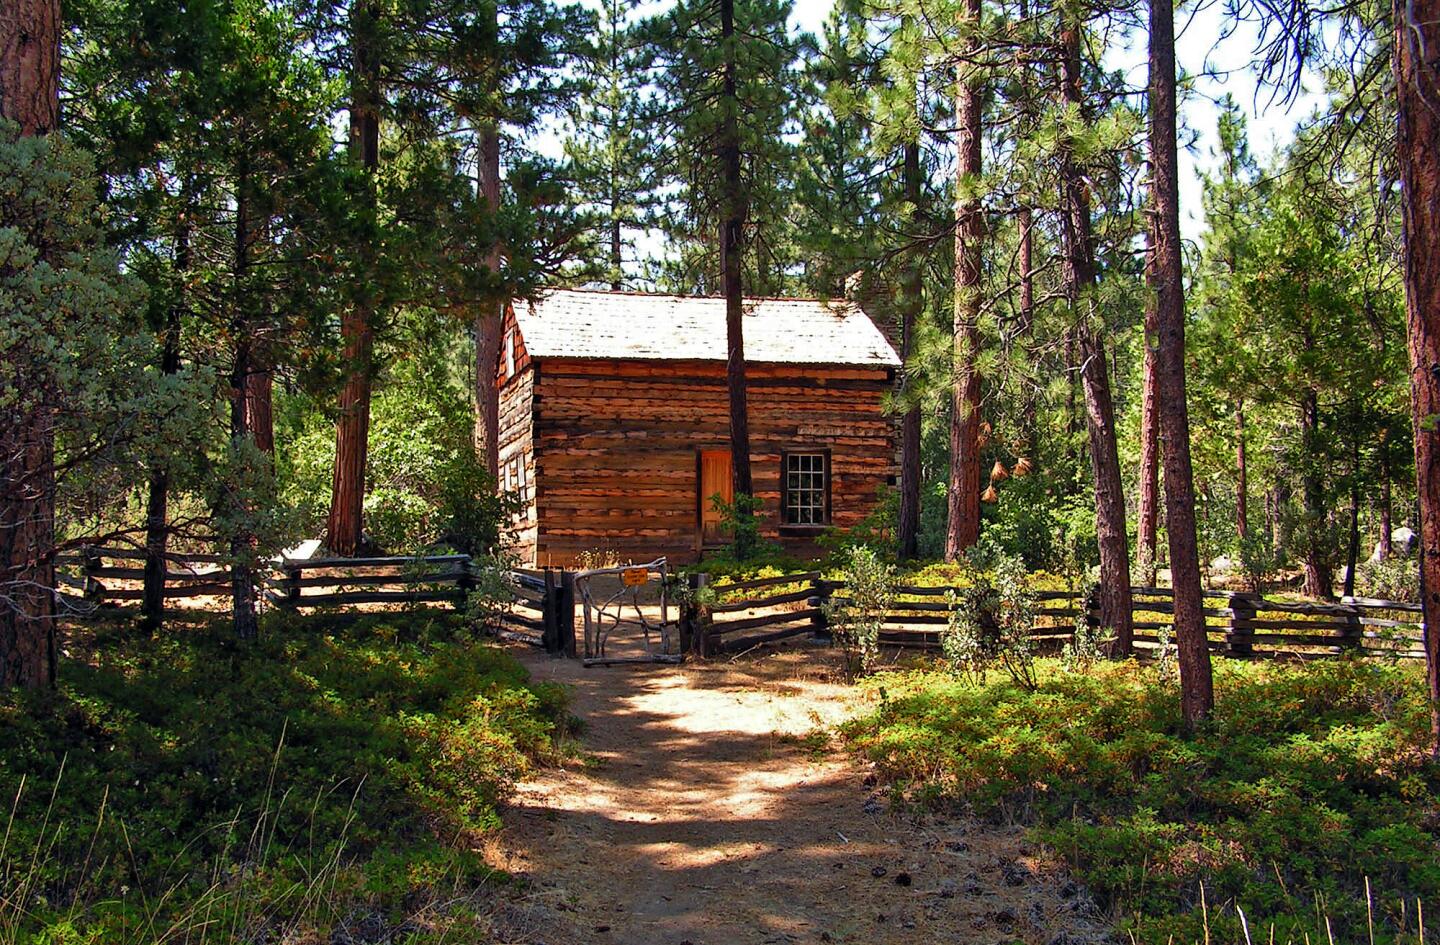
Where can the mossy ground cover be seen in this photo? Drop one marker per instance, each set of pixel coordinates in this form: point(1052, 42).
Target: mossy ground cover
point(191, 788)
point(1310, 782)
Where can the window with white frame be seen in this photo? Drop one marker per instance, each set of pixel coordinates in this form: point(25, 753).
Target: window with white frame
point(805, 492)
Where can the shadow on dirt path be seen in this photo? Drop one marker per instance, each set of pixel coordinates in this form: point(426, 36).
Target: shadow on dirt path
point(711, 814)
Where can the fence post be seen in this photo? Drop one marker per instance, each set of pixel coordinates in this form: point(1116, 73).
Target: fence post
point(1354, 630)
point(1242, 612)
point(464, 583)
point(91, 561)
point(292, 583)
point(694, 627)
point(686, 621)
point(1088, 607)
point(565, 614)
point(820, 625)
point(550, 614)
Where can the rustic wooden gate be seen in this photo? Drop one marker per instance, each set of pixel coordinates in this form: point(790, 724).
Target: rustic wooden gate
point(628, 615)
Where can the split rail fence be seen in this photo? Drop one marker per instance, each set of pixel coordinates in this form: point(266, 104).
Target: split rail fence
point(540, 611)
point(744, 615)
point(752, 613)
point(82, 576)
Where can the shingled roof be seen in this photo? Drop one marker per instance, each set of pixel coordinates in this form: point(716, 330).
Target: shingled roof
point(584, 323)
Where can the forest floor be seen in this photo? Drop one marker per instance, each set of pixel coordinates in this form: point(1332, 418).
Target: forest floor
point(711, 807)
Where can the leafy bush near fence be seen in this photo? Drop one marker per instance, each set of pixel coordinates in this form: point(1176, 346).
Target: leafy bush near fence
point(260, 791)
point(1309, 780)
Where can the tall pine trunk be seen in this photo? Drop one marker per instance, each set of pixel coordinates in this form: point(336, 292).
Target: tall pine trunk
point(1319, 581)
point(910, 303)
point(260, 401)
point(30, 97)
point(732, 224)
point(1242, 474)
point(1080, 285)
point(242, 542)
point(1197, 696)
point(1026, 223)
point(344, 529)
point(1387, 503)
point(963, 496)
point(489, 319)
point(617, 260)
point(1417, 83)
point(1352, 550)
point(1147, 526)
point(157, 513)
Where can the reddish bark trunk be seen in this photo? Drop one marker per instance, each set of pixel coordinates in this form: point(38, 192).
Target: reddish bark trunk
point(963, 495)
point(1148, 514)
point(1197, 697)
point(260, 403)
point(1080, 279)
point(1385, 548)
point(1417, 81)
point(29, 96)
point(1242, 477)
point(345, 528)
point(489, 320)
point(1025, 221)
point(909, 521)
point(1319, 580)
point(30, 64)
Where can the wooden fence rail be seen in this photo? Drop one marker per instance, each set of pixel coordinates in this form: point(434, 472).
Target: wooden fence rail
point(541, 611)
point(1239, 624)
point(186, 575)
point(736, 617)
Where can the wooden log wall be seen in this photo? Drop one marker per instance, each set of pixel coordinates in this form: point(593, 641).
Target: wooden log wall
point(515, 378)
point(616, 448)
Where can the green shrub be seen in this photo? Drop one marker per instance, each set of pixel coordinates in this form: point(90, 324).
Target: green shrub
point(1258, 560)
point(990, 623)
point(1396, 578)
point(857, 614)
point(1308, 780)
point(272, 786)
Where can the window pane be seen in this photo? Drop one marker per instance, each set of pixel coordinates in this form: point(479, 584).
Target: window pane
point(804, 489)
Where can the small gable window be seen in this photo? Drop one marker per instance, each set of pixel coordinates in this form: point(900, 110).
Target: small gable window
point(510, 353)
point(805, 488)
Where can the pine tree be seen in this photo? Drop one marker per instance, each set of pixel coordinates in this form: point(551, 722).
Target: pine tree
point(727, 74)
point(612, 145)
point(963, 528)
point(1081, 279)
point(1197, 697)
point(1417, 84)
point(30, 98)
point(344, 527)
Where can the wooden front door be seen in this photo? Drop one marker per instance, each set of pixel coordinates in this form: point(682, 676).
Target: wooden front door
point(714, 480)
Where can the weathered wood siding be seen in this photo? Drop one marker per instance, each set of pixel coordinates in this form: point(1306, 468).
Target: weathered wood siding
point(515, 378)
point(616, 449)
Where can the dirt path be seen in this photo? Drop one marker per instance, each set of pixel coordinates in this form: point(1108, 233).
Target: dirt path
point(711, 815)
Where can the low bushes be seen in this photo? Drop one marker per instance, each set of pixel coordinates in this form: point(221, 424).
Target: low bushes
point(192, 784)
point(1309, 781)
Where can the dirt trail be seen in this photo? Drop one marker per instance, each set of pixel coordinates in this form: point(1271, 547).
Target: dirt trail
point(709, 815)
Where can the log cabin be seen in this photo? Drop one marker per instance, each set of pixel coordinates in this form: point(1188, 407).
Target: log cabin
point(614, 421)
